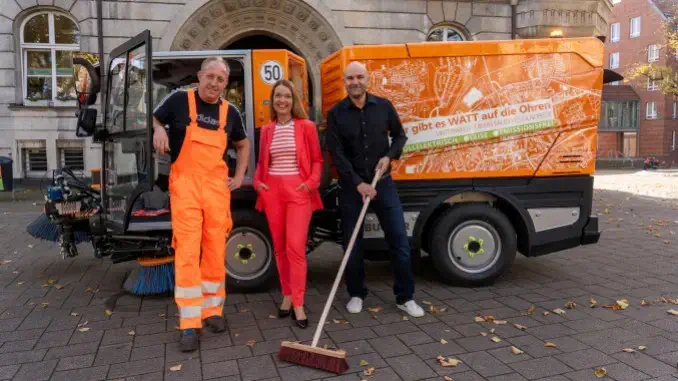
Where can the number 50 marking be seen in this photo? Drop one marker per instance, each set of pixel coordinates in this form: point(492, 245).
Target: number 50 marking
point(271, 71)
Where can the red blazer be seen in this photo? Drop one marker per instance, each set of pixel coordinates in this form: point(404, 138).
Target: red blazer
point(309, 158)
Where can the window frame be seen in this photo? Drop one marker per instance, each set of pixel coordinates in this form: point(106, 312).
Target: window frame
point(52, 47)
point(653, 57)
point(631, 35)
point(616, 26)
point(652, 85)
point(446, 28)
point(614, 54)
point(649, 115)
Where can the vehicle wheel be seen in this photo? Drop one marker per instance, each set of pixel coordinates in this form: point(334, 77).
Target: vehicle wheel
point(250, 261)
point(473, 244)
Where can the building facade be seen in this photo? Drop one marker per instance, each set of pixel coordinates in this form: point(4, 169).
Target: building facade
point(637, 120)
point(37, 38)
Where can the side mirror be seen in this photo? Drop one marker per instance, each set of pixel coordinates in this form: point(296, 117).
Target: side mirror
point(87, 119)
point(86, 78)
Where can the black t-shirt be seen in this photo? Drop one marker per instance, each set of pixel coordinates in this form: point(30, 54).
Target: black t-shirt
point(173, 111)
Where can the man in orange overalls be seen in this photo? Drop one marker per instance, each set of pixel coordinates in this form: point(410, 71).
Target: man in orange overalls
point(200, 123)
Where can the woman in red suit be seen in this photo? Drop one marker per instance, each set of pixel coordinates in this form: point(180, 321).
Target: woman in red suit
point(286, 179)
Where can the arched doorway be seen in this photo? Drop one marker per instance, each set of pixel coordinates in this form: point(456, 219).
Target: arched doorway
point(266, 41)
point(304, 28)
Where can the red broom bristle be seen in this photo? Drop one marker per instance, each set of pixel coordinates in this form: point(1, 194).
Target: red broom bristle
point(313, 360)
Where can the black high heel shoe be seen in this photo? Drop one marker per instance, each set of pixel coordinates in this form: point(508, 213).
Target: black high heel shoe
point(300, 323)
point(284, 313)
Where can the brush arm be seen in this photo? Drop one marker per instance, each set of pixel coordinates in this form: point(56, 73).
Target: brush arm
point(337, 280)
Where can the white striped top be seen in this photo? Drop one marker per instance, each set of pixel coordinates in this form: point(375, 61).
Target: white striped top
point(283, 151)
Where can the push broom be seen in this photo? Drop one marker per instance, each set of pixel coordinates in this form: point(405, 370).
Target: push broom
point(311, 355)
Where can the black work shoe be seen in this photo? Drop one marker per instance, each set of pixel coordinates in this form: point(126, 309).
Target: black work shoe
point(216, 323)
point(189, 340)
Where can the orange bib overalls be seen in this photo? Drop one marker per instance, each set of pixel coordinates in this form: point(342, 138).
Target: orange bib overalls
point(201, 219)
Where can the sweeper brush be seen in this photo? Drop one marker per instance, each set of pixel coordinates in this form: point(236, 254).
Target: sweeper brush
point(310, 355)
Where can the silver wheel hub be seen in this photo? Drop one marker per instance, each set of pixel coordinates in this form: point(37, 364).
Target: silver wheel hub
point(474, 246)
point(248, 254)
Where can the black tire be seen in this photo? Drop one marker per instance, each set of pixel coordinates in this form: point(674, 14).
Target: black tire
point(256, 267)
point(459, 225)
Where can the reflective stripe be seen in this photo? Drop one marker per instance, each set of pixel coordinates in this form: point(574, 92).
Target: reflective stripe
point(212, 301)
point(188, 292)
point(211, 287)
point(190, 312)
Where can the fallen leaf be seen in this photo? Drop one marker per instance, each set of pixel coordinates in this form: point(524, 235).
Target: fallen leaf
point(369, 371)
point(570, 305)
point(51, 281)
point(44, 305)
point(436, 310)
point(667, 242)
point(484, 334)
point(89, 289)
point(131, 333)
point(58, 286)
point(500, 322)
point(426, 302)
point(109, 312)
point(83, 329)
point(30, 246)
point(448, 378)
point(516, 351)
point(492, 330)
point(375, 309)
point(559, 311)
point(673, 312)
point(405, 318)
point(244, 310)
point(520, 327)
point(448, 362)
point(546, 313)
point(496, 339)
point(75, 314)
point(5, 261)
point(600, 372)
point(644, 303)
point(489, 319)
point(479, 319)
point(642, 348)
point(443, 341)
point(176, 368)
point(364, 363)
point(272, 317)
point(549, 345)
point(251, 343)
point(629, 350)
point(20, 283)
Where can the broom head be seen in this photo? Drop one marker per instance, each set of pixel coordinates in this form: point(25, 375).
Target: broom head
point(154, 276)
point(313, 357)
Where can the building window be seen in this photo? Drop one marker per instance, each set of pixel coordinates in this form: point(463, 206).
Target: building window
point(72, 158)
point(635, 27)
point(615, 30)
point(650, 110)
point(619, 116)
point(614, 60)
point(673, 140)
point(652, 85)
point(47, 42)
point(653, 53)
point(675, 110)
point(445, 33)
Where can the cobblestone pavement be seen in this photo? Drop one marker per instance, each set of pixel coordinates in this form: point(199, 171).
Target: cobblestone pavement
point(41, 335)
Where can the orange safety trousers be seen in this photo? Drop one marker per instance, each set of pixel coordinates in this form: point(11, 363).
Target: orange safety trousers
point(288, 212)
point(201, 219)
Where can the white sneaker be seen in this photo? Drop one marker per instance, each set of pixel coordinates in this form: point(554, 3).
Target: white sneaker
point(412, 309)
point(355, 305)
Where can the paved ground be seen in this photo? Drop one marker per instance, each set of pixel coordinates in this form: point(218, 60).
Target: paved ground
point(42, 335)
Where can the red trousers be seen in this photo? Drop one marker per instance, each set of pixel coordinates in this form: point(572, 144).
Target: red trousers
point(288, 212)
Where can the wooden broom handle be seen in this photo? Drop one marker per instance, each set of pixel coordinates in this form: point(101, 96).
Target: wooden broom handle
point(349, 248)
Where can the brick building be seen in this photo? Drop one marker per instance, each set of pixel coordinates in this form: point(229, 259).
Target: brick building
point(637, 120)
point(37, 125)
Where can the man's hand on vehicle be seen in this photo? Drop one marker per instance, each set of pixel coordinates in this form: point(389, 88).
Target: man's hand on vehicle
point(160, 140)
point(366, 190)
point(235, 182)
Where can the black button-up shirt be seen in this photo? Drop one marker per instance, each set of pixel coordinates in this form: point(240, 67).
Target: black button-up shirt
point(359, 138)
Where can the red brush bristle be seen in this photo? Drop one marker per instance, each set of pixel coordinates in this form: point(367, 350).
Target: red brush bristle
point(313, 360)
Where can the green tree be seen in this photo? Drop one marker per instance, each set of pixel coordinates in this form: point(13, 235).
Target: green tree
point(665, 74)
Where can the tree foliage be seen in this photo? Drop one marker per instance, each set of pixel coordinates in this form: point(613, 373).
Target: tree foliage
point(665, 74)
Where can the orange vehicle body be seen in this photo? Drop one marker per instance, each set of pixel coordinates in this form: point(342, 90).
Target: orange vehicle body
point(523, 108)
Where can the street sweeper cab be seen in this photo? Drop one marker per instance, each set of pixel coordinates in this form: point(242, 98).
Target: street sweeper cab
point(500, 156)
